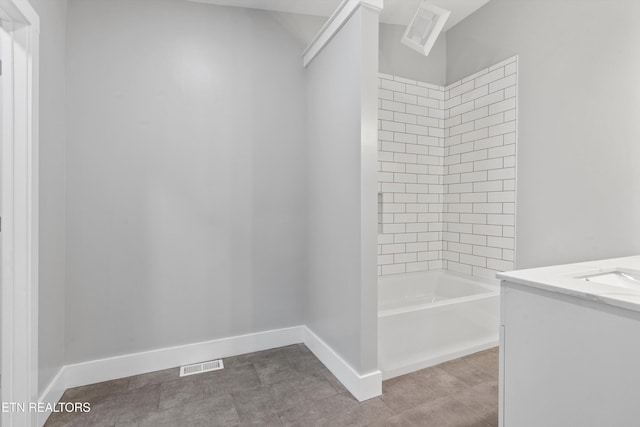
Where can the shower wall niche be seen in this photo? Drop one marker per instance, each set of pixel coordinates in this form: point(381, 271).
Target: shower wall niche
point(447, 171)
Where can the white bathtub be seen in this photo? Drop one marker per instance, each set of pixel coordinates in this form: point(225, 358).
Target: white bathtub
point(430, 317)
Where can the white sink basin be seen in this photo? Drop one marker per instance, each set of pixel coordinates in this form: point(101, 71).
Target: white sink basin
point(620, 277)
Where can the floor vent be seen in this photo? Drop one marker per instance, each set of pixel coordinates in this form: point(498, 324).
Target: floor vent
point(199, 368)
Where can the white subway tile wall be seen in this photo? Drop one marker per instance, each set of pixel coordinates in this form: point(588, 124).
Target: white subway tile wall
point(411, 175)
point(446, 162)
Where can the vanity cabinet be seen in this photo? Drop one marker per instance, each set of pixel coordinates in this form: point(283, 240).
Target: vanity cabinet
point(569, 354)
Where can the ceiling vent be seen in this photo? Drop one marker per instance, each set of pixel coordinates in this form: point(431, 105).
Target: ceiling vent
point(425, 27)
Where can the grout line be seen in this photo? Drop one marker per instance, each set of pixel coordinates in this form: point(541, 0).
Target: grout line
point(402, 155)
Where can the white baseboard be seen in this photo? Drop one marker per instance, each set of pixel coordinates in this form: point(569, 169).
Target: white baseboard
point(52, 394)
point(432, 361)
point(112, 368)
point(149, 361)
point(362, 387)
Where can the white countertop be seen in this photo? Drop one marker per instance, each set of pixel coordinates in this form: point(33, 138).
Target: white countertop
point(562, 279)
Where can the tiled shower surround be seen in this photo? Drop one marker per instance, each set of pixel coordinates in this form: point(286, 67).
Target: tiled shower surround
point(411, 175)
point(447, 159)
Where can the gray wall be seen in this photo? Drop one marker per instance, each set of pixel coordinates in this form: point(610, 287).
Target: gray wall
point(578, 150)
point(51, 325)
point(303, 28)
point(185, 174)
point(394, 57)
point(399, 60)
point(340, 302)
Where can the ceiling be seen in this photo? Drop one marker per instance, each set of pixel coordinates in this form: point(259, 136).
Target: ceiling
point(395, 11)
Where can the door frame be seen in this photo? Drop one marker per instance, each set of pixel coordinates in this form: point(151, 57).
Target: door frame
point(19, 233)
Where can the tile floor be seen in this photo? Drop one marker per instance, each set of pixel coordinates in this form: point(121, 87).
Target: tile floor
point(289, 387)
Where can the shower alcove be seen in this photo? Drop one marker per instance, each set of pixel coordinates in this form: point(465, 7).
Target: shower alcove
point(447, 201)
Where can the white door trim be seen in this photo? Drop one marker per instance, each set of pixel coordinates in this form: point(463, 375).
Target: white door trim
point(20, 210)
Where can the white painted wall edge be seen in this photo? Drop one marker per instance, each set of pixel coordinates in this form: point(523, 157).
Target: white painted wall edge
point(335, 23)
point(22, 8)
point(19, 143)
point(362, 387)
